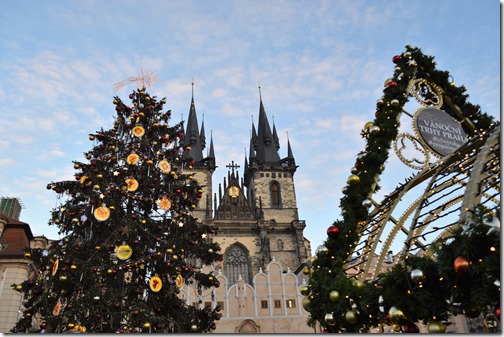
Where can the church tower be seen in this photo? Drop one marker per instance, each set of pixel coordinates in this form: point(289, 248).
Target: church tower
point(203, 166)
point(256, 217)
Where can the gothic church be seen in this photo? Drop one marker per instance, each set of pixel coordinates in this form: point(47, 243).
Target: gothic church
point(256, 215)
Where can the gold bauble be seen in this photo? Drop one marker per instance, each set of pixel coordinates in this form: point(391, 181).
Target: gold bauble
point(71, 325)
point(28, 255)
point(150, 162)
point(353, 180)
point(473, 311)
point(304, 290)
point(76, 166)
point(334, 296)
point(351, 317)
point(397, 316)
point(96, 187)
point(194, 328)
point(435, 326)
point(368, 125)
point(306, 303)
point(146, 326)
point(73, 267)
point(169, 251)
point(306, 271)
point(63, 278)
point(19, 287)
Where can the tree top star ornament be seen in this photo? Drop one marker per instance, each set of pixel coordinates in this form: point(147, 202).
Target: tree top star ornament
point(146, 79)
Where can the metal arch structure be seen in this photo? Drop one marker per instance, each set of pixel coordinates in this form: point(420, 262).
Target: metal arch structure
point(447, 190)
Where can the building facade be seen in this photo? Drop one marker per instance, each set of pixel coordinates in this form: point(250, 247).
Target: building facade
point(15, 267)
point(258, 229)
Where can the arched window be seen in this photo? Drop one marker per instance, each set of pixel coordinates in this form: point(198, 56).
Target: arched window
point(275, 193)
point(236, 264)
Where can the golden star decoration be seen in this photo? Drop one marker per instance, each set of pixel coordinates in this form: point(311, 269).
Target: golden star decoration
point(145, 79)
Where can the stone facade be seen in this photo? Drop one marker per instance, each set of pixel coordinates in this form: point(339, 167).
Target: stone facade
point(271, 303)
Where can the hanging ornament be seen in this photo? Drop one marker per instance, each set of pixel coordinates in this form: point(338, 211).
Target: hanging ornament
point(351, 317)
point(473, 311)
point(57, 308)
point(306, 271)
point(334, 296)
point(164, 203)
point(138, 131)
point(146, 326)
point(436, 326)
point(333, 232)
point(411, 328)
point(306, 303)
point(179, 281)
point(124, 252)
point(394, 102)
point(55, 267)
point(194, 328)
point(133, 159)
point(132, 184)
point(397, 316)
point(497, 312)
point(102, 213)
point(367, 203)
point(417, 275)
point(155, 284)
point(461, 265)
point(164, 166)
point(353, 180)
point(396, 59)
point(374, 130)
point(304, 290)
point(329, 319)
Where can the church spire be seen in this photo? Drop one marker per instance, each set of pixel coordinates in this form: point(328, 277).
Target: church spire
point(275, 136)
point(212, 153)
point(266, 149)
point(192, 136)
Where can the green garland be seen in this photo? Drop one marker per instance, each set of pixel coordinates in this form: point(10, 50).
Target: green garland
point(361, 306)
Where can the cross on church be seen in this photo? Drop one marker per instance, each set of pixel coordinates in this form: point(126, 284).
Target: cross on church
point(232, 166)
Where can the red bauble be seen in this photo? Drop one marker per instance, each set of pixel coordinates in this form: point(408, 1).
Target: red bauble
point(333, 232)
point(396, 59)
point(216, 284)
point(497, 313)
point(460, 265)
point(43, 325)
point(392, 84)
point(411, 328)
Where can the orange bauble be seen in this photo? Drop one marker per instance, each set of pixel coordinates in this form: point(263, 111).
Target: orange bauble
point(460, 265)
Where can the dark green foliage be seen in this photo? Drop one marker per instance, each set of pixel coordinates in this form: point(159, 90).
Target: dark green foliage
point(98, 290)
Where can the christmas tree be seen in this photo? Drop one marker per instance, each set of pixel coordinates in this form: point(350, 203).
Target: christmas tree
point(129, 241)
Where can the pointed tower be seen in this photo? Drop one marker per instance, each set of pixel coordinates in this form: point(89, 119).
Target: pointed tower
point(269, 182)
point(203, 166)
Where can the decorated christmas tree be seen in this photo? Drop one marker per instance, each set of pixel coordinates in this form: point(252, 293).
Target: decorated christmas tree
point(129, 241)
point(461, 276)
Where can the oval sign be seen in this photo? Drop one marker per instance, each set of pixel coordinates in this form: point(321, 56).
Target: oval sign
point(439, 131)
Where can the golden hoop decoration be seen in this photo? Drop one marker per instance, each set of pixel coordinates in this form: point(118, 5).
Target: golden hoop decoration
point(420, 87)
point(155, 284)
point(101, 213)
point(124, 252)
point(165, 166)
point(132, 159)
point(421, 149)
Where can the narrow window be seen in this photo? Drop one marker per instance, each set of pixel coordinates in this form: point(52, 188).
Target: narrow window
point(290, 303)
point(275, 193)
point(278, 304)
point(264, 304)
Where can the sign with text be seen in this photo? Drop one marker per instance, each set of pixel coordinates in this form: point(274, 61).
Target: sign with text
point(439, 131)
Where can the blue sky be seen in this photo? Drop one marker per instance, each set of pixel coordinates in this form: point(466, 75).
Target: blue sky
point(321, 66)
